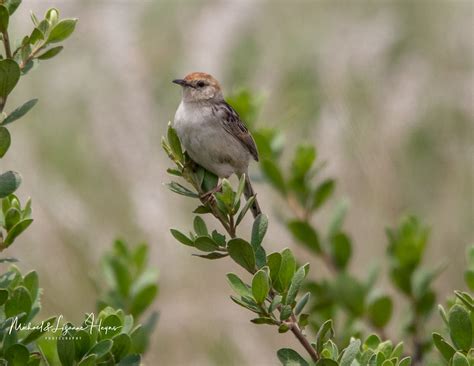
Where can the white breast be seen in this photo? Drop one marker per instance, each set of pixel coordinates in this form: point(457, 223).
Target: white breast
point(206, 141)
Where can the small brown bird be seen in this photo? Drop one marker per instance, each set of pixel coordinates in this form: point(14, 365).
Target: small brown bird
point(212, 132)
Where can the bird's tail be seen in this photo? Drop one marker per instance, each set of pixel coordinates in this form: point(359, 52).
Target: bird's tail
point(249, 192)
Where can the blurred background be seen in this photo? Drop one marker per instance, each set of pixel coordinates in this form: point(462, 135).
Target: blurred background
point(383, 89)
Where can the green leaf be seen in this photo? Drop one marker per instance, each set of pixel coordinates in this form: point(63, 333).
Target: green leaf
point(66, 350)
point(36, 333)
point(379, 310)
point(9, 182)
point(12, 216)
point(240, 190)
point(323, 330)
point(295, 286)
point(242, 253)
point(52, 16)
point(5, 141)
point(289, 357)
point(341, 249)
point(244, 210)
point(183, 239)
point(12, 5)
point(121, 346)
point(460, 328)
point(350, 353)
point(179, 189)
point(131, 360)
point(90, 360)
point(260, 286)
point(238, 285)
point(287, 268)
point(19, 302)
point(264, 320)
point(460, 360)
point(31, 283)
point(20, 111)
point(50, 53)
point(3, 296)
point(326, 362)
point(4, 18)
point(275, 302)
point(17, 355)
point(212, 255)
point(205, 243)
point(302, 303)
point(62, 30)
point(303, 160)
point(101, 348)
point(273, 173)
point(200, 226)
point(17, 230)
point(175, 144)
point(322, 193)
point(246, 303)
point(305, 234)
point(143, 299)
point(259, 229)
point(443, 347)
point(406, 361)
point(9, 76)
point(274, 263)
point(285, 312)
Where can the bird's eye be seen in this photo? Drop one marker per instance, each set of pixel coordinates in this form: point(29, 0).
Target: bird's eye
point(201, 84)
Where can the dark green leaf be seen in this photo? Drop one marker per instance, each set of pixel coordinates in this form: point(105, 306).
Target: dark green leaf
point(242, 253)
point(200, 226)
point(213, 255)
point(326, 362)
point(287, 268)
point(274, 263)
point(19, 112)
point(289, 357)
point(205, 243)
point(285, 312)
point(179, 189)
point(303, 160)
point(66, 350)
point(130, 360)
point(12, 5)
point(460, 328)
point(121, 346)
point(260, 286)
point(179, 236)
point(90, 360)
point(4, 18)
point(264, 320)
point(301, 303)
point(9, 76)
point(295, 286)
point(5, 141)
point(305, 234)
point(244, 210)
point(9, 182)
point(322, 193)
point(17, 230)
point(259, 229)
point(50, 53)
point(175, 144)
point(62, 30)
point(17, 355)
point(202, 210)
point(275, 302)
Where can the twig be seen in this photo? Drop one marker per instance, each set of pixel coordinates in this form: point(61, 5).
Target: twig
point(6, 44)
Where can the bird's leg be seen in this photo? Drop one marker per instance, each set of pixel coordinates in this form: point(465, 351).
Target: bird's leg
point(209, 195)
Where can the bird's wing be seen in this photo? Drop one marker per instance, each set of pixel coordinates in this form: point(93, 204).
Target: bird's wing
point(234, 125)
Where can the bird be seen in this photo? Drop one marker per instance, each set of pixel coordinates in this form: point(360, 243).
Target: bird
point(212, 132)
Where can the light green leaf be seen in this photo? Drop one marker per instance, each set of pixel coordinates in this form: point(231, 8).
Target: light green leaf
point(19, 302)
point(183, 239)
point(379, 310)
point(62, 30)
point(322, 193)
point(341, 249)
point(50, 53)
point(17, 230)
point(143, 299)
point(295, 285)
point(350, 353)
point(287, 268)
point(200, 226)
point(175, 144)
point(238, 285)
point(460, 328)
point(302, 303)
point(273, 173)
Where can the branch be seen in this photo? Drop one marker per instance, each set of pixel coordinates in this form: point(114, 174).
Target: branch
point(6, 44)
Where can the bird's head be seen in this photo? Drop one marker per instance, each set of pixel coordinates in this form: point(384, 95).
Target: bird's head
point(200, 87)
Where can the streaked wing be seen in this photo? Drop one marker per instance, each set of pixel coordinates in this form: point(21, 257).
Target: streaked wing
point(233, 125)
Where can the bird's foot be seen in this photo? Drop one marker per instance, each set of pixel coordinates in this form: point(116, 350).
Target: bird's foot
point(208, 197)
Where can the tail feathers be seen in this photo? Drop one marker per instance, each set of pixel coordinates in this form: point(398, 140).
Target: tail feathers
point(249, 192)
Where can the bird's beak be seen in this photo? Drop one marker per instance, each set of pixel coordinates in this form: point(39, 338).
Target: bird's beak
point(181, 82)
